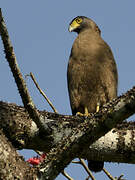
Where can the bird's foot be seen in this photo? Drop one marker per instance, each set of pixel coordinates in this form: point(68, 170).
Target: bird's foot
point(86, 113)
point(80, 114)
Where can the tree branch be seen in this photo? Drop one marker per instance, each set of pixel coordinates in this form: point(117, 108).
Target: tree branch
point(23, 133)
point(84, 134)
point(119, 141)
point(42, 93)
point(22, 88)
point(11, 163)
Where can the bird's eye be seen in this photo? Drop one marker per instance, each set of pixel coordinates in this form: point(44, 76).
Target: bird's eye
point(79, 20)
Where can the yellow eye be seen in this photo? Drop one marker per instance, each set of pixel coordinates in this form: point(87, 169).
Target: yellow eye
point(79, 20)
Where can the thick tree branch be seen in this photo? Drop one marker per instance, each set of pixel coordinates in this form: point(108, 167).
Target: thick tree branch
point(23, 133)
point(121, 139)
point(118, 145)
point(84, 134)
point(12, 166)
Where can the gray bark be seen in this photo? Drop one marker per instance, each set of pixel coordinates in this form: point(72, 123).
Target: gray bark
point(12, 165)
point(71, 136)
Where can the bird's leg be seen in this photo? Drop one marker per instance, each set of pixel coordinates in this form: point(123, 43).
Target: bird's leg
point(86, 113)
point(98, 106)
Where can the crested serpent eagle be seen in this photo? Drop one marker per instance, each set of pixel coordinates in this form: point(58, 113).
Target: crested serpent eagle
point(92, 73)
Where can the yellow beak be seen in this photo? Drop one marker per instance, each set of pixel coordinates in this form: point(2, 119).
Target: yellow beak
point(70, 28)
point(74, 25)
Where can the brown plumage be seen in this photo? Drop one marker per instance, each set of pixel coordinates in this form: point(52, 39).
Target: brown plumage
point(92, 73)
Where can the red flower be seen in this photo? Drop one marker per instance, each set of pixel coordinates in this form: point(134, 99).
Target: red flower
point(36, 160)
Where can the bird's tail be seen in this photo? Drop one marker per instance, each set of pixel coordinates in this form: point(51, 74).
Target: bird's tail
point(95, 166)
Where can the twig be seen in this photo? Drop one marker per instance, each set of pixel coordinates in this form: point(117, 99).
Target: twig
point(87, 178)
point(11, 58)
point(76, 162)
point(66, 175)
point(108, 174)
point(39, 152)
point(41, 92)
point(120, 177)
point(82, 162)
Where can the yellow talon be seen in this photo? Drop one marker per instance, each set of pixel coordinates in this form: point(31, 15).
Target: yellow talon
point(98, 106)
point(86, 113)
point(79, 114)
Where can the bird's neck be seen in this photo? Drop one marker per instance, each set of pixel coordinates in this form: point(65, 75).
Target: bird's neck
point(89, 32)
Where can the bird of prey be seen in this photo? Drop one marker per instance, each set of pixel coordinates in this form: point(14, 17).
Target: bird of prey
point(92, 73)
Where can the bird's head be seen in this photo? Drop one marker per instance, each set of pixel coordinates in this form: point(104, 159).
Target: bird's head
point(81, 23)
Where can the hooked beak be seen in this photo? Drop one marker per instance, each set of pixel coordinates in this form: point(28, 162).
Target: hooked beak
point(70, 28)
